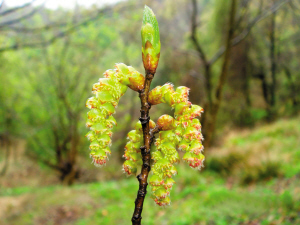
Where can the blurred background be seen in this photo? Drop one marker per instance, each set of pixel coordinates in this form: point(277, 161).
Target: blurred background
point(239, 57)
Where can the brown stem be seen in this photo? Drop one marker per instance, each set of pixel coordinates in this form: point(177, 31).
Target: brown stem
point(145, 150)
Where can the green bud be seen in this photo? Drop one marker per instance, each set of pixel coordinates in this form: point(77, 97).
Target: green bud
point(155, 96)
point(166, 122)
point(136, 81)
point(151, 124)
point(150, 41)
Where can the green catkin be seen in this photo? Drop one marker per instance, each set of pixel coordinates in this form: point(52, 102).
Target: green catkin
point(185, 135)
point(132, 154)
point(107, 93)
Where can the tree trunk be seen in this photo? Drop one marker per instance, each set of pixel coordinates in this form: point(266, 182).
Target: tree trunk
point(271, 113)
point(216, 105)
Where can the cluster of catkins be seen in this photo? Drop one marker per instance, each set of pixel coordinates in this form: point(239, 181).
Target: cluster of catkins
point(108, 92)
point(182, 132)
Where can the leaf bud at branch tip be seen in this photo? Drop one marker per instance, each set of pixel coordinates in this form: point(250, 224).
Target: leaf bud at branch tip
point(150, 41)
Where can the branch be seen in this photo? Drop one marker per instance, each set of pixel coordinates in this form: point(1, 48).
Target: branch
point(54, 38)
point(36, 29)
point(194, 33)
point(10, 22)
point(247, 30)
point(145, 150)
point(15, 8)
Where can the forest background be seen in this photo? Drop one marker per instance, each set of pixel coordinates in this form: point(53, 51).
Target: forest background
point(244, 72)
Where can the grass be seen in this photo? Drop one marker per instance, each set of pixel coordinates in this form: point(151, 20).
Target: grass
point(260, 154)
point(208, 197)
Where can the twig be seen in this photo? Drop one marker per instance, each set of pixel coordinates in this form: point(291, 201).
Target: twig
point(145, 150)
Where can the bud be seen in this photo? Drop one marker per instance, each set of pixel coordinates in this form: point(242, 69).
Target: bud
point(152, 124)
point(136, 80)
point(150, 41)
point(166, 122)
point(155, 96)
